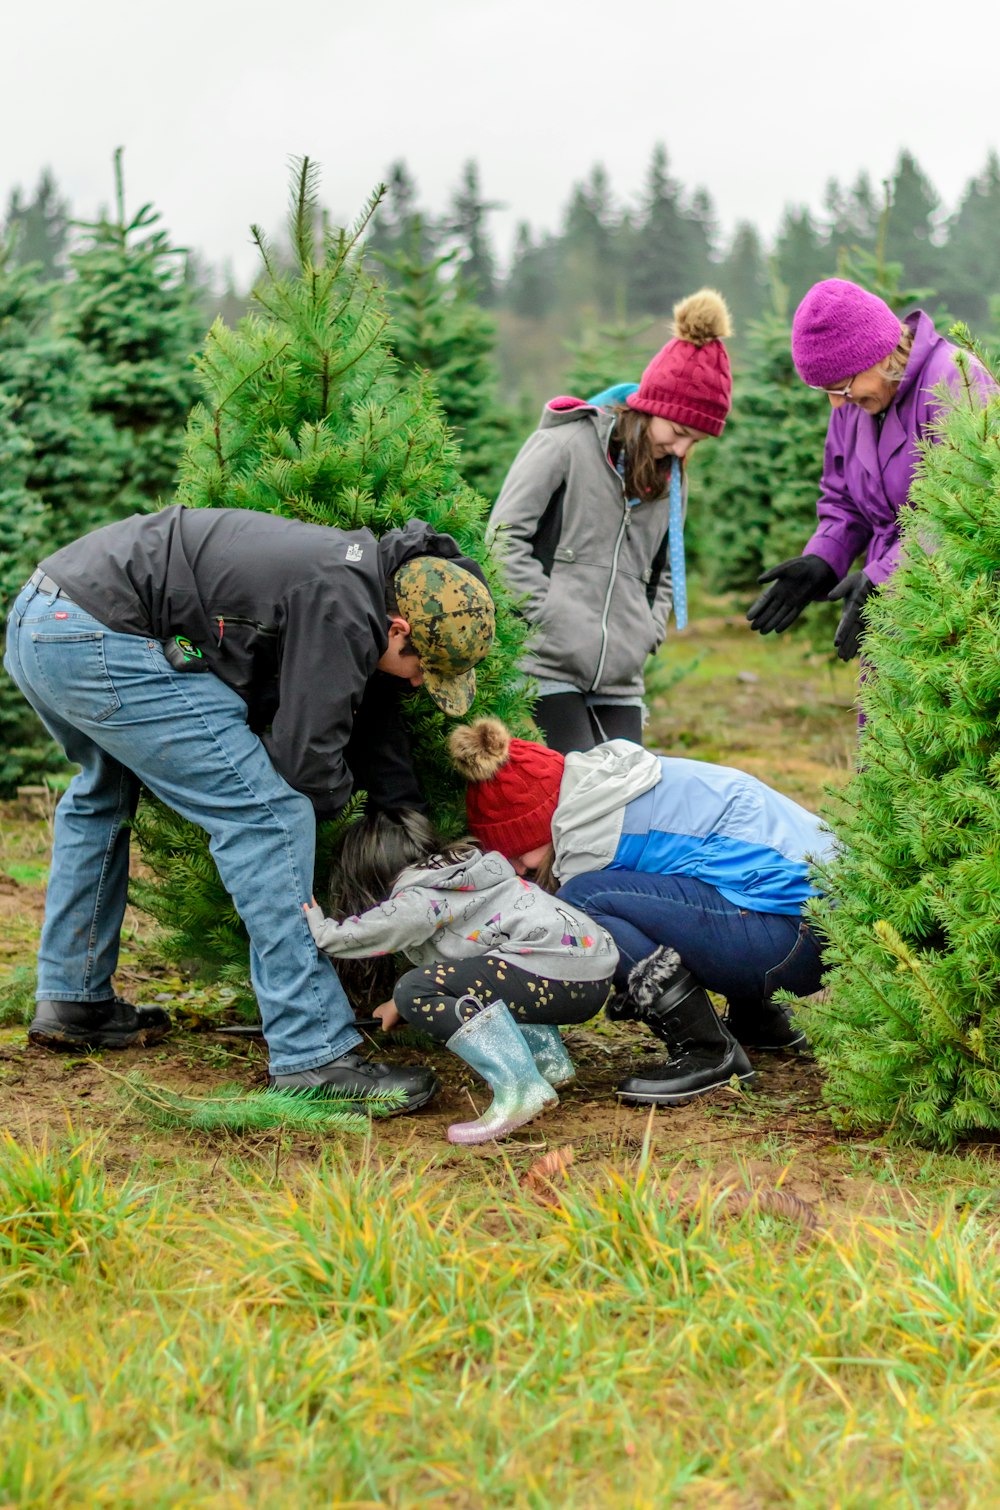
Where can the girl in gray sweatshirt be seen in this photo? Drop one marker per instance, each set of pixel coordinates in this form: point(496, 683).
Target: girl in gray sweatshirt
point(484, 942)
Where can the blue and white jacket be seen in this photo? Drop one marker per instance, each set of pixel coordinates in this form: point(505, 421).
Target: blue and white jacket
point(623, 808)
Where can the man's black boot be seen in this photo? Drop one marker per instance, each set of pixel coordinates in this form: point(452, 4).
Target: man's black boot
point(111, 1024)
point(769, 1028)
point(360, 1079)
point(703, 1054)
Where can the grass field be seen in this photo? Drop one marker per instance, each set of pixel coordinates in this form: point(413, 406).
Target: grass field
point(733, 1304)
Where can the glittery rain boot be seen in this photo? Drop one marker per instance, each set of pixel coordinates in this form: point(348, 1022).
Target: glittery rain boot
point(492, 1044)
point(549, 1052)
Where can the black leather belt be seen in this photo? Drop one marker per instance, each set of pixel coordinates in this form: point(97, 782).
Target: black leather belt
point(44, 583)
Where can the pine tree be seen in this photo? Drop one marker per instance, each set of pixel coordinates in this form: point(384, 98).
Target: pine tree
point(590, 271)
point(465, 230)
point(912, 223)
point(39, 228)
point(801, 254)
point(910, 1037)
point(969, 274)
point(742, 279)
point(399, 219)
point(59, 462)
point(438, 328)
point(670, 245)
point(307, 413)
point(129, 307)
point(533, 280)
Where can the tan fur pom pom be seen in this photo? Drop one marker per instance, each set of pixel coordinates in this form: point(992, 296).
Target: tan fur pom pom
point(479, 749)
point(702, 317)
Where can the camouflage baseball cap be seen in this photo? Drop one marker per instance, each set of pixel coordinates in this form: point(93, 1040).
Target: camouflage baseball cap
point(451, 619)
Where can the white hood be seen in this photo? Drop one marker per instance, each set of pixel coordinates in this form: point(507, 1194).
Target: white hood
point(597, 786)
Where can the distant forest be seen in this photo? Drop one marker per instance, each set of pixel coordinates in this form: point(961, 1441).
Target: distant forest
point(613, 269)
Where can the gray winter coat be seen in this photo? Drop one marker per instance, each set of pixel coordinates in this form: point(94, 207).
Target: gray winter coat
point(594, 573)
point(465, 910)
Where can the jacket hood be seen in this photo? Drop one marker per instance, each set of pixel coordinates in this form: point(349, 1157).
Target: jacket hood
point(596, 788)
point(565, 410)
point(478, 872)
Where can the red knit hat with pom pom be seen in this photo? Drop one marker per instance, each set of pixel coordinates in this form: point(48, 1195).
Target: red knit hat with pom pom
point(689, 381)
point(513, 786)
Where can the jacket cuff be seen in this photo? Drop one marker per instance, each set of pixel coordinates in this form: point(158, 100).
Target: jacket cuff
point(838, 557)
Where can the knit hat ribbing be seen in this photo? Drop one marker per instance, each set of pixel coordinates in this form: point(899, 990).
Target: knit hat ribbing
point(513, 786)
point(689, 381)
point(840, 330)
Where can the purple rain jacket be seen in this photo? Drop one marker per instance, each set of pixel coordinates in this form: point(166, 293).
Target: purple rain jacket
point(867, 473)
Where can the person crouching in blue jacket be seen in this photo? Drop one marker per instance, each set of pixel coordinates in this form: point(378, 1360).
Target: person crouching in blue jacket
point(699, 872)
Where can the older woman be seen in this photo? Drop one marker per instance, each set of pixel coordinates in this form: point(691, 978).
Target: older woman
point(881, 376)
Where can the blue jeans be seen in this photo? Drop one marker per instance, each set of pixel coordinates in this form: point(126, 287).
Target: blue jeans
point(744, 956)
point(124, 715)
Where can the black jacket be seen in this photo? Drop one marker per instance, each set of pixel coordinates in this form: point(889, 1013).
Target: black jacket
point(292, 616)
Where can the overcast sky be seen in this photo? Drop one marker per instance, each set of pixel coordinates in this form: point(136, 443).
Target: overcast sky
point(759, 102)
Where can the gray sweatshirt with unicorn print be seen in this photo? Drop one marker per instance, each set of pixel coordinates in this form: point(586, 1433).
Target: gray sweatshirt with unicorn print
point(463, 910)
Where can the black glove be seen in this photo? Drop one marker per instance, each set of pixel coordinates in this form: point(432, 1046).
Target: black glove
point(854, 590)
point(802, 580)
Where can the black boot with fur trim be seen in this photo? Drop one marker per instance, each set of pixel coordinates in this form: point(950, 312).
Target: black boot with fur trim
point(703, 1053)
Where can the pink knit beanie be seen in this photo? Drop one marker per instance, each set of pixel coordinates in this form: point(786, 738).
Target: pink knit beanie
point(840, 330)
point(689, 381)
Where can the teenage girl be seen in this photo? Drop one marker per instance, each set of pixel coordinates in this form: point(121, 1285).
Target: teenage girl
point(590, 523)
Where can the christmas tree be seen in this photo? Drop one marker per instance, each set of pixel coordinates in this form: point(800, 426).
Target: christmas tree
point(97, 377)
point(910, 1037)
point(309, 414)
point(58, 465)
point(130, 307)
point(437, 327)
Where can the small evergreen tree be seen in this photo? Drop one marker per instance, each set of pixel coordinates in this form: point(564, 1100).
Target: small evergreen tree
point(307, 413)
point(438, 328)
point(910, 1038)
point(130, 308)
point(59, 462)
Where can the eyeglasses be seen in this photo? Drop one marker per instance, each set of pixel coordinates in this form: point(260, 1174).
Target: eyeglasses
point(837, 392)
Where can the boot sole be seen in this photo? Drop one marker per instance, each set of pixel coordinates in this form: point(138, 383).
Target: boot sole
point(416, 1103)
point(89, 1042)
point(678, 1098)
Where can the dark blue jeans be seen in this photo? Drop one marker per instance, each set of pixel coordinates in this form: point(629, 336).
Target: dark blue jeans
point(744, 956)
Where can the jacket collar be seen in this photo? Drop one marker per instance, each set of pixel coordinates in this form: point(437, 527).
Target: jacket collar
point(875, 448)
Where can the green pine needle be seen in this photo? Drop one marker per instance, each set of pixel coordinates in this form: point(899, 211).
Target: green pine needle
point(233, 1109)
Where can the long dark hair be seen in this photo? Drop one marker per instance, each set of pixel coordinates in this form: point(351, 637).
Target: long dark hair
point(646, 476)
point(364, 867)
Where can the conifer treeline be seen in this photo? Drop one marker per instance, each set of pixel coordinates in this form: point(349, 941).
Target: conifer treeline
point(617, 260)
point(614, 260)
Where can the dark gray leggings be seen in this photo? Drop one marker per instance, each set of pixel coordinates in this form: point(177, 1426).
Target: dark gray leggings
point(569, 724)
point(431, 998)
